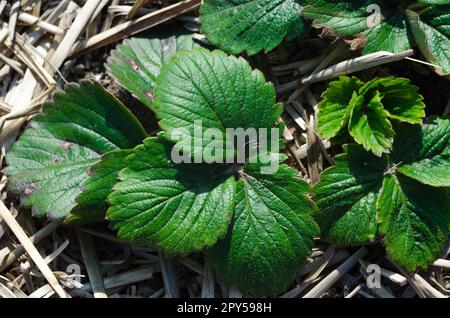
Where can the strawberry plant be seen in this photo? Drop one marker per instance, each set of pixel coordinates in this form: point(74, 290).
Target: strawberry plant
point(367, 109)
point(87, 154)
point(87, 158)
point(400, 197)
point(386, 25)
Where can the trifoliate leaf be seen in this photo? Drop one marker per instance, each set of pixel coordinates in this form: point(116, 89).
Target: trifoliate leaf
point(413, 219)
point(251, 25)
point(200, 89)
point(136, 62)
point(367, 110)
point(91, 203)
point(271, 232)
point(425, 153)
point(400, 98)
point(412, 216)
point(49, 161)
point(334, 110)
point(431, 30)
point(177, 209)
point(346, 197)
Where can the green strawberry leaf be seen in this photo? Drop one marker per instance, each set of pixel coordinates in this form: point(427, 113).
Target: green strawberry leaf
point(136, 62)
point(387, 26)
point(369, 124)
point(271, 232)
point(345, 17)
point(49, 161)
point(414, 219)
point(177, 209)
point(431, 29)
point(200, 89)
point(385, 30)
point(334, 110)
point(400, 99)
point(367, 110)
point(251, 25)
point(428, 159)
point(91, 203)
point(346, 197)
point(364, 196)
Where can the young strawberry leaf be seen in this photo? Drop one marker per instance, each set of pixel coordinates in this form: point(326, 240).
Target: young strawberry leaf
point(271, 231)
point(369, 124)
point(177, 209)
point(136, 62)
point(251, 25)
point(400, 99)
point(368, 109)
point(91, 203)
point(389, 26)
point(49, 161)
point(200, 89)
point(364, 196)
point(334, 110)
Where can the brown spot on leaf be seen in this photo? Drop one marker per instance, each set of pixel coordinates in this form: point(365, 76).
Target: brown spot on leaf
point(328, 32)
point(55, 160)
point(149, 93)
point(67, 145)
point(357, 43)
point(135, 65)
point(29, 190)
point(90, 171)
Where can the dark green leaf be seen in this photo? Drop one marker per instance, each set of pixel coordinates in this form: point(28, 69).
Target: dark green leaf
point(136, 62)
point(425, 153)
point(250, 25)
point(49, 161)
point(177, 209)
point(91, 203)
point(271, 232)
point(206, 89)
point(414, 219)
point(346, 197)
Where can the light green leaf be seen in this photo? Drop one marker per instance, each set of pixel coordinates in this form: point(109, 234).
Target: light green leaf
point(400, 98)
point(334, 110)
point(425, 152)
point(136, 62)
point(414, 219)
point(271, 232)
point(369, 124)
point(346, 197)
point(207, 89)
point(250, 25)
point(49, 161)
point(177, 209)
point(431, 31)
point(91, 203)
